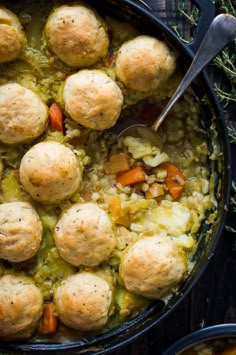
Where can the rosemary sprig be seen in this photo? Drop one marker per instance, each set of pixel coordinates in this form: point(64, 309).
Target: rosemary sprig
point(232, 133)
point(231, 230)
point(226, 6)
point(226, 60)
point(192, 16)
point(177, 31)
point(188, 13)
point(232, 205)
point(226, 97)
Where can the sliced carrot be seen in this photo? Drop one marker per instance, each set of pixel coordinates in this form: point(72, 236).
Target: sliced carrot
point(133, 176)
point(117, 163)
point(56, 117)
point(49, 320)
point(174, 180)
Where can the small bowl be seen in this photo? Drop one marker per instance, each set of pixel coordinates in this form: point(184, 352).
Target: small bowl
point(215, 332)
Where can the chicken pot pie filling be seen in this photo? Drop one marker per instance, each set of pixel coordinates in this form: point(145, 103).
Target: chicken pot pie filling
point(93, 227)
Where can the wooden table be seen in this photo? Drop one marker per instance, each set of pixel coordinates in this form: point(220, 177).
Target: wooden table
point(211, 301)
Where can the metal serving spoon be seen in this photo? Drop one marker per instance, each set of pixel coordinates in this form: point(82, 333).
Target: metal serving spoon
point(220, 33)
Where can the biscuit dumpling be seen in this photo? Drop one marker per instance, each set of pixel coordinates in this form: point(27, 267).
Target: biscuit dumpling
point(152, 267)
point(144, 63)
point(83, 301)
point(84, 235)
point(12, 36)
point(50, 172)
point(23, 115)
point(77, 35)
point(20, 231)
point(92, 99)
point(21, 307)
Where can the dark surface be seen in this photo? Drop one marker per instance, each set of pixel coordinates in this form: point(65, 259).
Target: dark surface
point(213, 298)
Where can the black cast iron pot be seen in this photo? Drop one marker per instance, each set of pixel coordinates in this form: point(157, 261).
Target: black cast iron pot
point(135, 13)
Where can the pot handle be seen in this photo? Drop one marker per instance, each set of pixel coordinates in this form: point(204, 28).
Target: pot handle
point(206, 15)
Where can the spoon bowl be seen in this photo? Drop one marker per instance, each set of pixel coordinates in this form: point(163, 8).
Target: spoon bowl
point(141, 130)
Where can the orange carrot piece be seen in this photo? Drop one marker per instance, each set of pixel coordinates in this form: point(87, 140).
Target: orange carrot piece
point(133, 176)
point(56, 117)
point(117, 163)
point(174, 179)
point(49, 320)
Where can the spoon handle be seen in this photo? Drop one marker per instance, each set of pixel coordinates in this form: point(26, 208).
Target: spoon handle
point(221, 32)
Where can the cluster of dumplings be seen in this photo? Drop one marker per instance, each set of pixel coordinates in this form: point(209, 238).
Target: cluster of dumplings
point(50, 172)
point(77, 36)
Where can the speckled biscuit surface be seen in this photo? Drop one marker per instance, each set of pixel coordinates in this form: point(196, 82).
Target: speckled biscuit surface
point(76, 34)
point(83, 301)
